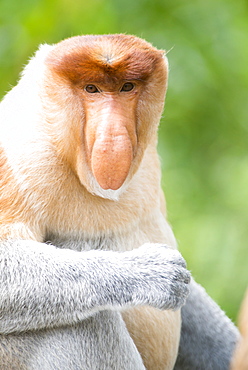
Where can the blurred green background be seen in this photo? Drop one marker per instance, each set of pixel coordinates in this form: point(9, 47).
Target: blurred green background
point(204, 132)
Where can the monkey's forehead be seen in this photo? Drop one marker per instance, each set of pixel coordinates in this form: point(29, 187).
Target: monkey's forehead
point(118, 56)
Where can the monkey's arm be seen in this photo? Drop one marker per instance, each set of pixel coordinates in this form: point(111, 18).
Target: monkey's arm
point(42, 286)
point(208, 337)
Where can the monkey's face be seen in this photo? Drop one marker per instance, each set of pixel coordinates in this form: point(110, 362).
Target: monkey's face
point(110, 130)
point(117, 85)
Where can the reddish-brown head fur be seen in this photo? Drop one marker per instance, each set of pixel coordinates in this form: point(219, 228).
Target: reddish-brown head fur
point(111, 130)
point(109, 58)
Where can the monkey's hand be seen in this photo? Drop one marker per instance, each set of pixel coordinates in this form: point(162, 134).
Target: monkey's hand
point(157, 276)
point(42, 286)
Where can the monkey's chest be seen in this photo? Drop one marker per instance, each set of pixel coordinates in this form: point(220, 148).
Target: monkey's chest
point(93, 223)
point(103, 242)
point(151, 228)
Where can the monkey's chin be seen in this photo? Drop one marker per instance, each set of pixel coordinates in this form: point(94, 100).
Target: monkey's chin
point(94, 188)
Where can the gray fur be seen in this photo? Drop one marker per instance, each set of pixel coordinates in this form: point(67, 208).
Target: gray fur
point(208, 337)
point(100, 342)
point(58, 306)
point(39, 284)
point(43, 286)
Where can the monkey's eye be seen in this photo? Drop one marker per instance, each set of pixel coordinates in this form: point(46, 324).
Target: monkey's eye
point(128, 86)
point(91, 89)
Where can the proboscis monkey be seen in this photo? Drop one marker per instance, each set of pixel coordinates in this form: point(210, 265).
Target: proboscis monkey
point(79, 196)
point(80, 171)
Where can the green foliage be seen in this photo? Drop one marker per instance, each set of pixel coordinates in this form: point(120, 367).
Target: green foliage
point(204, 131)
